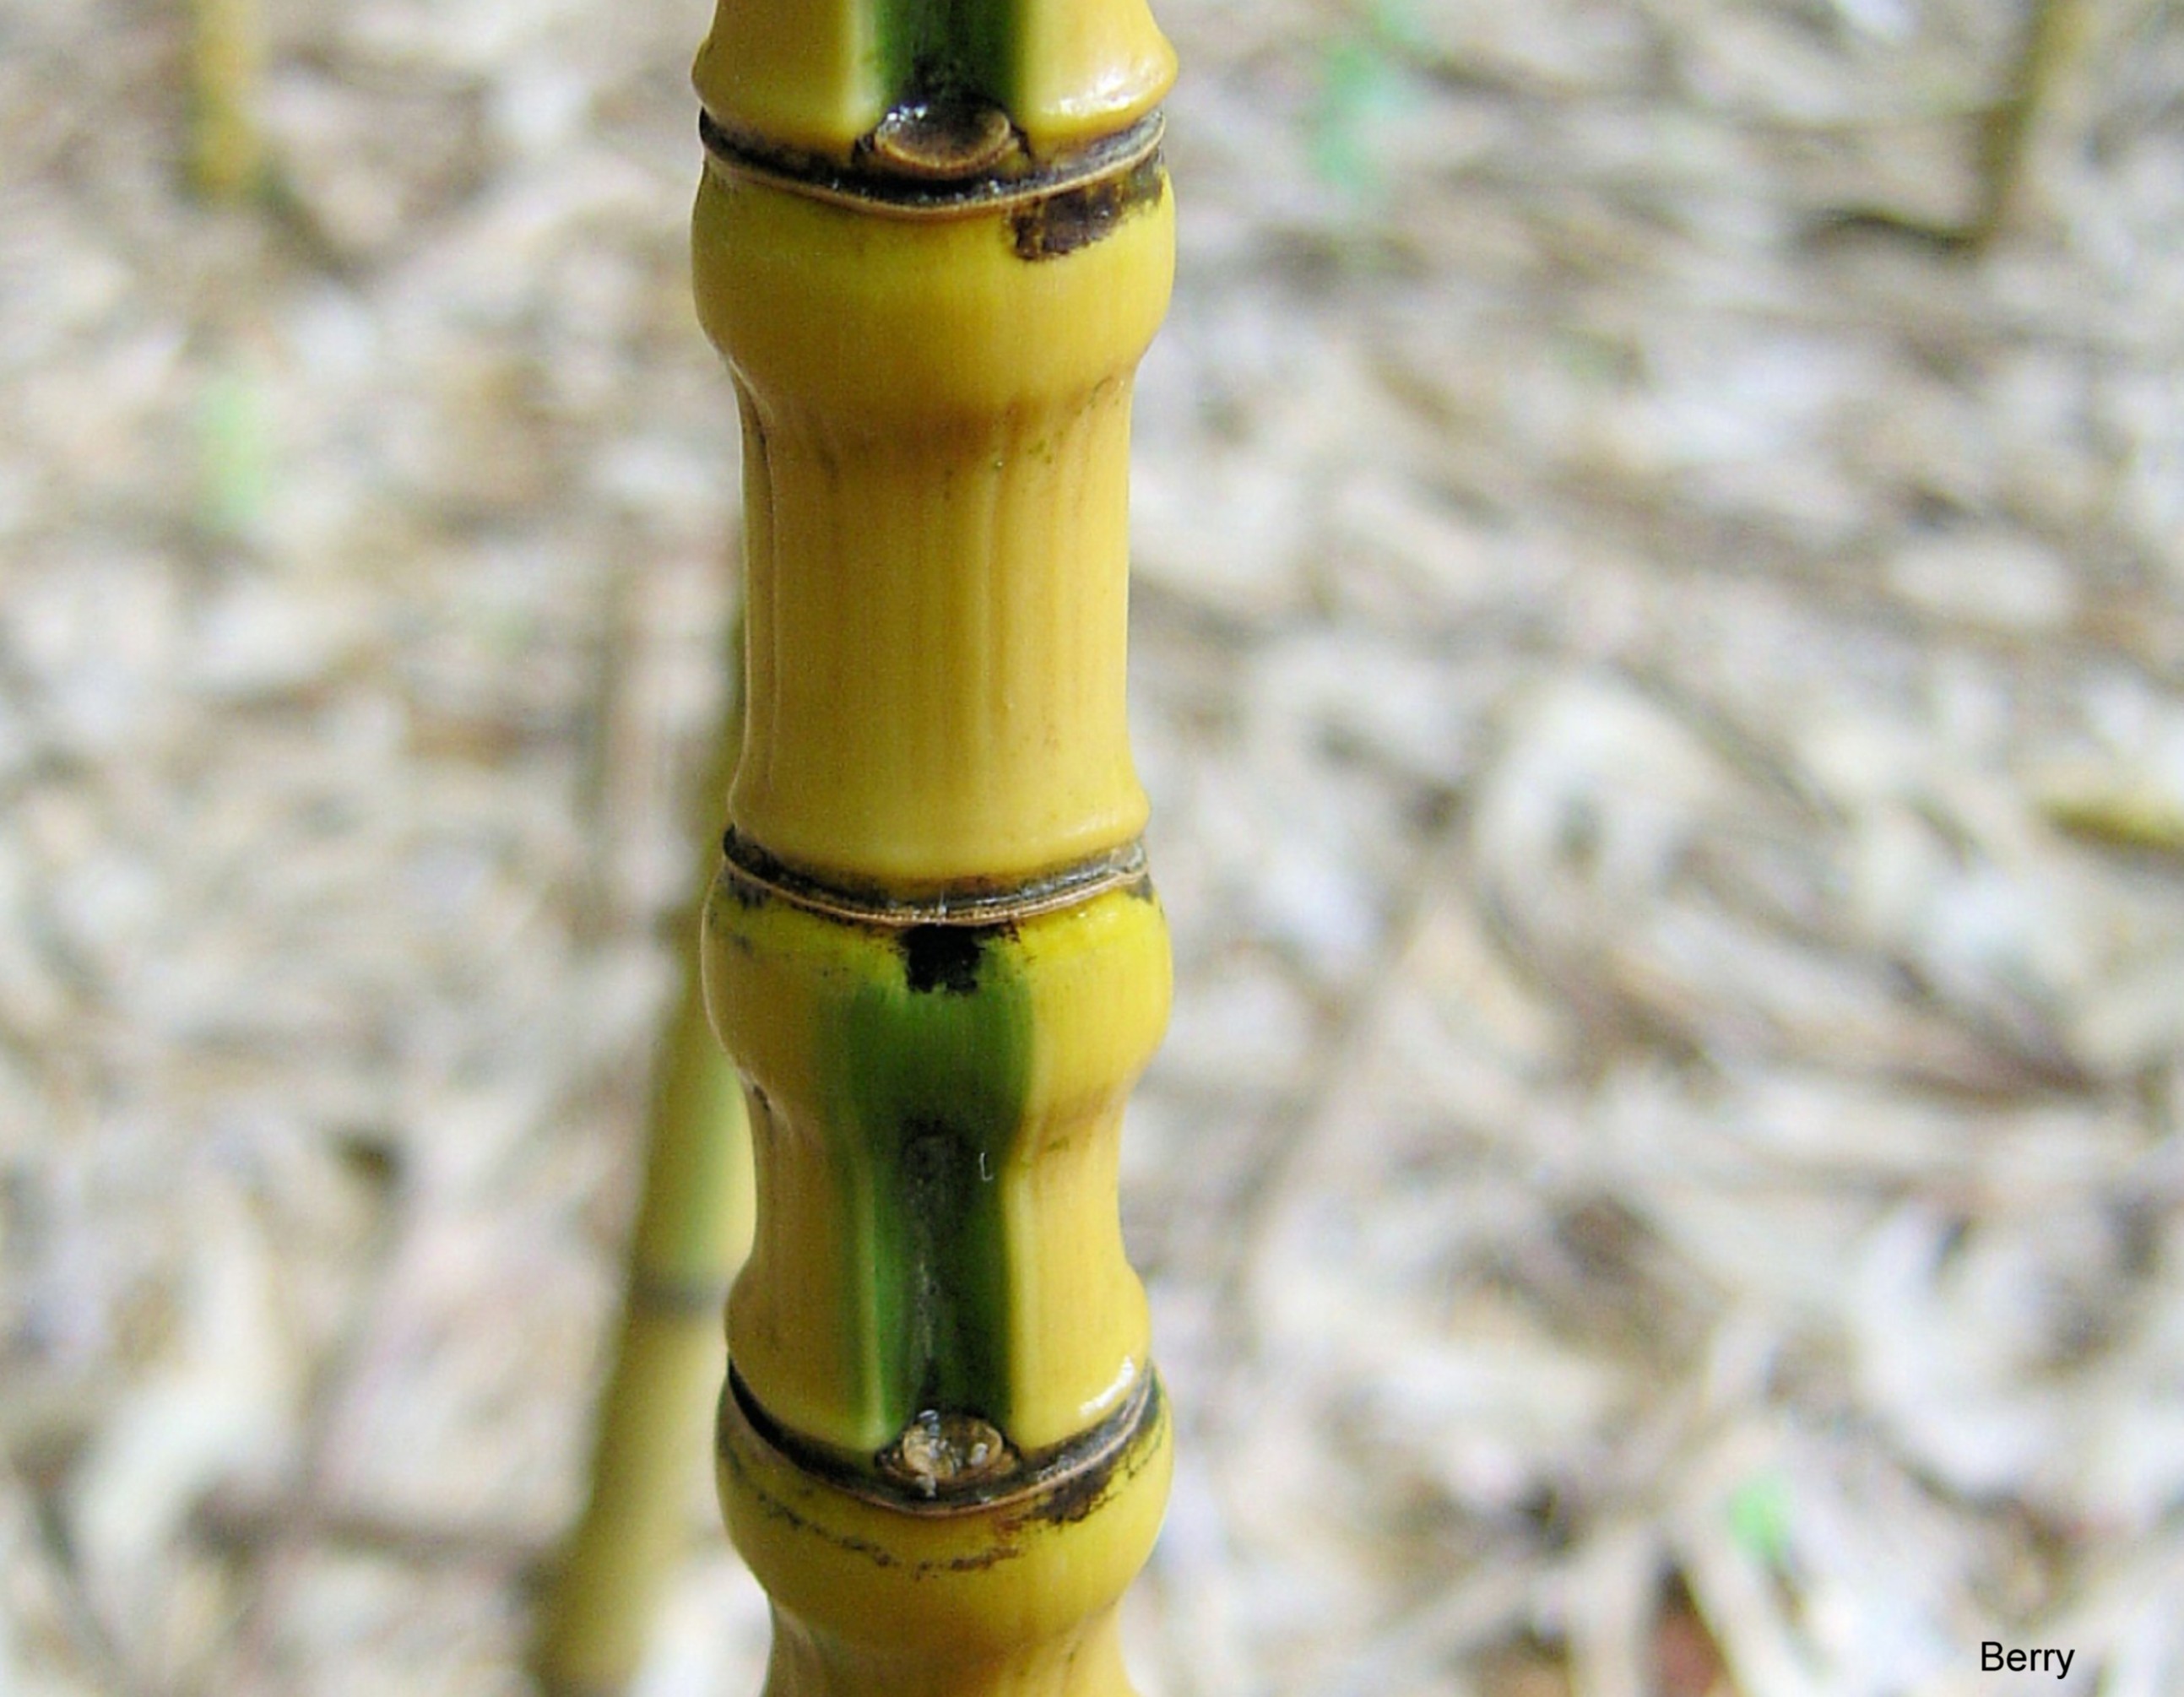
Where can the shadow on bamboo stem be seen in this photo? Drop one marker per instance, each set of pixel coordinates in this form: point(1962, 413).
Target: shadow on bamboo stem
point(693, 1231)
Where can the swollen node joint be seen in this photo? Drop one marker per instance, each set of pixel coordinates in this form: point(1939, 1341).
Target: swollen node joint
point(951, 1464)
point(934, 159)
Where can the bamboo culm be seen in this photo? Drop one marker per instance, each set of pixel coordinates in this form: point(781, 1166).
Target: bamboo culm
point(226, 148)
point(932, 244)
point(595, 1618)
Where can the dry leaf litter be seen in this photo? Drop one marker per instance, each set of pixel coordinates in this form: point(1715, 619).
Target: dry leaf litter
point(1663, 689)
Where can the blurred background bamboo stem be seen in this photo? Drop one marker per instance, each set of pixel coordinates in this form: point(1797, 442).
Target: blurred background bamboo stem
point(2056, 34)
point(693, 1231)
point(226, 147)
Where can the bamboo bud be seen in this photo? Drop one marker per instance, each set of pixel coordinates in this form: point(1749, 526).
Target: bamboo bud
point(932, 242)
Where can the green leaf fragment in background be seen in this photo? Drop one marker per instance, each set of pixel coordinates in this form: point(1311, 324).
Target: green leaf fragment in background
point(1396, 22)
point(1759, 1518)
point(234, 452)
point(1350, 77)
point(1362, 82)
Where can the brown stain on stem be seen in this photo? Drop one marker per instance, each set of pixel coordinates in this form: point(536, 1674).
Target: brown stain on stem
point(1060, 224)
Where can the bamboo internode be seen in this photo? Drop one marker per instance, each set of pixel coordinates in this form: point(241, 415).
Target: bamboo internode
point(936, 436)
point(933, 243)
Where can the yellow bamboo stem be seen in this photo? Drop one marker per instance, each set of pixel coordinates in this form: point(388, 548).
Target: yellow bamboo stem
point(2056, 35)
point(227, 153)
point(932, 240)
point(693, 1231)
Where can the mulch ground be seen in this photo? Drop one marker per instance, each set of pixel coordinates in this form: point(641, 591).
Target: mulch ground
point(1662, 682)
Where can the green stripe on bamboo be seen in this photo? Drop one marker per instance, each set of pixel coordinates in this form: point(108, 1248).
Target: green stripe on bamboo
point(964, 49)
point(936, 1064)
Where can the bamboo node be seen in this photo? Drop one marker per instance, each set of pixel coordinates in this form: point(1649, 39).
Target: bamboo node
point(751, 876)
point(890, 185)
point(1058, 1484)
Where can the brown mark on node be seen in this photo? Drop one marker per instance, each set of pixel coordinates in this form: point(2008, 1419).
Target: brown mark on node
point(938, 141)
point(733, 1396)
point(747, 893)
point(1060, 224)
point(1073, 1495)
point(942, 958)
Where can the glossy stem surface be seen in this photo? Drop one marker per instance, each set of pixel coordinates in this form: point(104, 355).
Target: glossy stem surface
point(933, 949)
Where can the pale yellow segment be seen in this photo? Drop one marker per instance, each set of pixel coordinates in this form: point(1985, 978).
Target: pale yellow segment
point(227, 53)
point(1084, 1662)
point(930, 700)
point(1080, 1331)
point(596, 1617)
point(801, 1322)
point(801, 74)
point(803, 1318)
point(937, 442)
point(802, 1326)
point(886, 323)
point(1086, 71)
